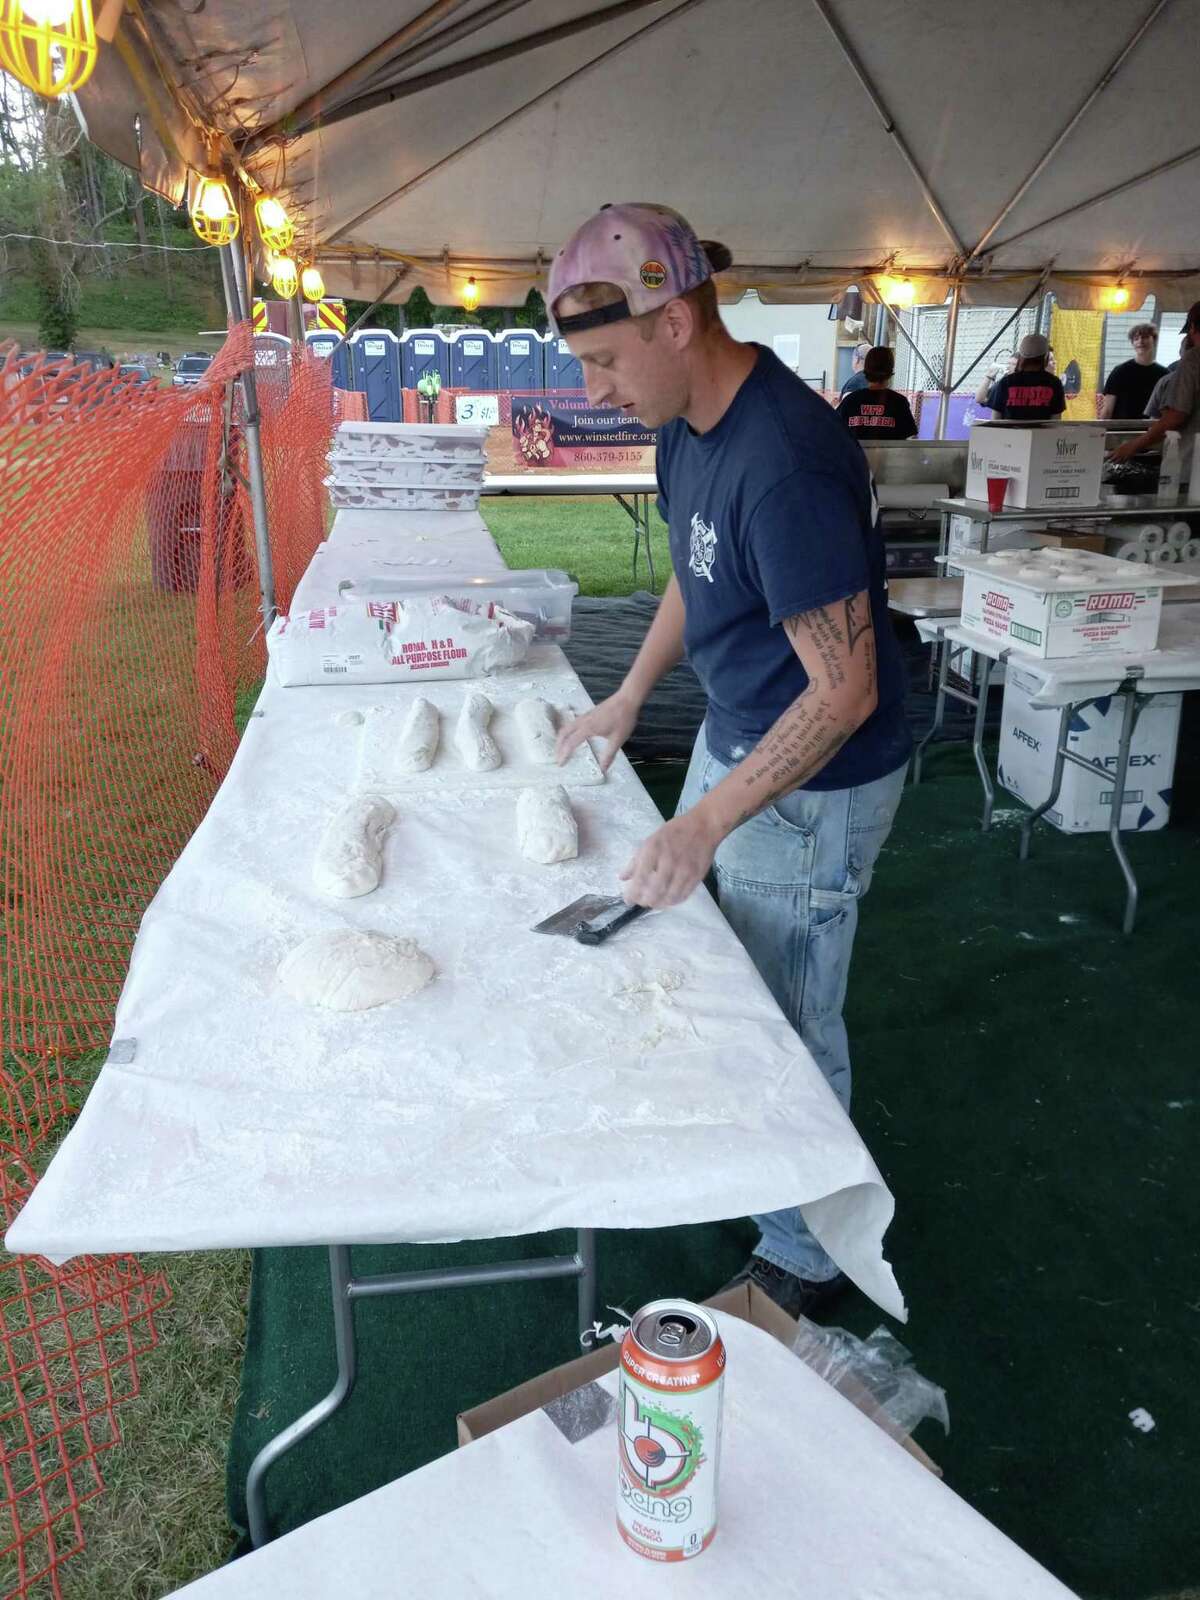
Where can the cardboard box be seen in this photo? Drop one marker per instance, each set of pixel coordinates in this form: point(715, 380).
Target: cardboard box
point(1066, 539)
point(747, 1302)
point(1052, 464)
point(1025, 764)
point(1042, 609)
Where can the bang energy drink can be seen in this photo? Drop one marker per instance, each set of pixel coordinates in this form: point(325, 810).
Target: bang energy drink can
point(672, 1372)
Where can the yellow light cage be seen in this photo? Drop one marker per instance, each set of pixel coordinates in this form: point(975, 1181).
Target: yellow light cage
point(275, 228)
point(312, 284)
point(48, 45)
point(213, 213)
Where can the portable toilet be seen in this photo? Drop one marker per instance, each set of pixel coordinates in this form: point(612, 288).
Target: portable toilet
point(375, 363)
point(421, 349)
point(520, 359)
point(472, 359)
point(324, 342)
point(273, 359)
point(562, 368)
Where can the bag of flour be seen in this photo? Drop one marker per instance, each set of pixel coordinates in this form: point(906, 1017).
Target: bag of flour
point(390, 641)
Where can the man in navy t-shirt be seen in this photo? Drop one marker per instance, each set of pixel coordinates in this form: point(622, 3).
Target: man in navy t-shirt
point(778, 599)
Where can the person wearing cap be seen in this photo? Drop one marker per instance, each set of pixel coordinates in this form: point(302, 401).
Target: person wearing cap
point(1130, 384)
point(1031, 393)
point(778, 600)
point(858, 378)
point(1180, 403)
point(878, 411)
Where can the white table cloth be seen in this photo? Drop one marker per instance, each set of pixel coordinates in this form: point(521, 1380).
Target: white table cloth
point(377, 545)
point(535, 1084)
point(814, 1500)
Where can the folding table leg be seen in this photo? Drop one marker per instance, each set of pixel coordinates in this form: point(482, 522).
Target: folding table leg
point(939, 712)
point(985, 777)
point(1132, 710)
point(585, 1252)
point(1064, 723)
point(347, 1371)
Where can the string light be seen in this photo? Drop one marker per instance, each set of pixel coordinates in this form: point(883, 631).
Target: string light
point(470, 297)
point(214, 215)
point(285, 280)
point(312, 284)
point(49, 45)
point(275, 227)
point(895, 291)
point(1115, 298)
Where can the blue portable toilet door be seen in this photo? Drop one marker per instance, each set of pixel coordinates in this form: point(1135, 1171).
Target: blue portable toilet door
point(473, 361)
point(326, 343)
point(520, 355)
point(562, 368)
point(376, 374)
point(422, 351)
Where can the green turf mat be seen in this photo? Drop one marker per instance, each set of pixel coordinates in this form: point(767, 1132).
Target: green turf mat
point(1026, 1079)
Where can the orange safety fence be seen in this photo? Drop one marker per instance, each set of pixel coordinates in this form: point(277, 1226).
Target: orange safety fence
point(129, 627)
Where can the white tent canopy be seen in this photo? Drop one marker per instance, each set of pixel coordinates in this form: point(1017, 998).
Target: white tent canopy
point(824, 141)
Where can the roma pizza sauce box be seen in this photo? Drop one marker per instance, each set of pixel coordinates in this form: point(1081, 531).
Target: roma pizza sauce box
point(1051, 464)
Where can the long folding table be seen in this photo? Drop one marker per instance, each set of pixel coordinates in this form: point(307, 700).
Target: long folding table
point(534, 1085)
point(633, 492)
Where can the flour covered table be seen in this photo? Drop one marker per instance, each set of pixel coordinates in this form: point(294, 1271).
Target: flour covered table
point(814, 1499)
point(533, 1085)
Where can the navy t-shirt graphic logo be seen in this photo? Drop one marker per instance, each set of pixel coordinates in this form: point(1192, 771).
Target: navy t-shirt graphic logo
point(704, 547)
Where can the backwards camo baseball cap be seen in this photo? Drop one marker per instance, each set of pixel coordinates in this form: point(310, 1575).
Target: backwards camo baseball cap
point(648, 251)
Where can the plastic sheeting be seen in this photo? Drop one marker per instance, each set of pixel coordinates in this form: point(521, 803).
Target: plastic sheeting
point(534, 1084)
point(814, 1498)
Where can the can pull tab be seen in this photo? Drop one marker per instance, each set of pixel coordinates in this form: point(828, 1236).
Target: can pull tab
point(675, 1333)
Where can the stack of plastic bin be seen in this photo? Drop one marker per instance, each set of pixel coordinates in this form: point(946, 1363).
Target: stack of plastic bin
point(407, 466)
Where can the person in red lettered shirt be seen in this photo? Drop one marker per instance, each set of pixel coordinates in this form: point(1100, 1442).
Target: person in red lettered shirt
point(878, 412)
point(1032, 393)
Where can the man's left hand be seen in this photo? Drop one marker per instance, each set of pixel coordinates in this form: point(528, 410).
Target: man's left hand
point(1126, 451)
point(669, 865)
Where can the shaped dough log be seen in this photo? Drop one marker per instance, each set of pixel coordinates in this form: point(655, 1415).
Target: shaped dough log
point(419, 739)
point(348, 970)
point(475, 744)
point(349, 856)
point(546, 830)
point(539, 733)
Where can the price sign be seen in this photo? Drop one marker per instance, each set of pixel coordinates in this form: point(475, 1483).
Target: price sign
point(481, 408)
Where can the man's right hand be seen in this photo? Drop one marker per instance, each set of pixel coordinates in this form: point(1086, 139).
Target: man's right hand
point(613, 719)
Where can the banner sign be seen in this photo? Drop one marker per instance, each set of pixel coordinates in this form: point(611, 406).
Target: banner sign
point(558, 433)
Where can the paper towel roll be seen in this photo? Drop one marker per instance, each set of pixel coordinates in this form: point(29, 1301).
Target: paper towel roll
point(910, 496)
point(1162, 556)
point(1151, 536)
point(1190, 551)
point(1178, 535)
point(1131, 552)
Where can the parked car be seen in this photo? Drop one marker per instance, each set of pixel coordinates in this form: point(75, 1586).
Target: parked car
point(133, 372)
point(189, 369)
point(98, 360)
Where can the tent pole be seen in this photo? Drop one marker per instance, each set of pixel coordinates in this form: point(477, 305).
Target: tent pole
point(233, 274)
point(947, 383)
point(889, 123)
point(1098, 88)
point(374, 306)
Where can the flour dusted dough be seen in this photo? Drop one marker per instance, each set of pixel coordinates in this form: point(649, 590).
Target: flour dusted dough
point(539, 734)
point(350, 855)
point(546, 830)
point(347, 970)
point(418, 739)
point(475, 744)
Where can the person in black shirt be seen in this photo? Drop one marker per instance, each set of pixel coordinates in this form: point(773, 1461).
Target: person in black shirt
point(1032, 393)
point(878, 412)
point(1129, 386)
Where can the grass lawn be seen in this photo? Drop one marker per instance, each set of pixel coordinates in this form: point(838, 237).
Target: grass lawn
point(588, 536)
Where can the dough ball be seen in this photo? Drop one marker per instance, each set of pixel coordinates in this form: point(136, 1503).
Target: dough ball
point(346, 970)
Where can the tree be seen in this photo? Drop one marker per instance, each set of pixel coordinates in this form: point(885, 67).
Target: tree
point(57, 299)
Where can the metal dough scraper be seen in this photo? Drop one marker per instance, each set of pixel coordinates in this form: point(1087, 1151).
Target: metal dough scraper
point(592, 918)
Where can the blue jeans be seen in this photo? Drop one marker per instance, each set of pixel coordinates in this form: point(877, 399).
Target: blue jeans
point(789, 882)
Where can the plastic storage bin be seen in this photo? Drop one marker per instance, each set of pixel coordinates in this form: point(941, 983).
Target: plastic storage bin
point(539, 595)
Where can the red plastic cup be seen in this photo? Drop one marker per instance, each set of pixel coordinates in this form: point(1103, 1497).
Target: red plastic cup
point(997, 489)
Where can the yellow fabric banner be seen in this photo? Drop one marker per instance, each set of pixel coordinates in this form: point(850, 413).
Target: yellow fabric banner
point(1077, 339)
